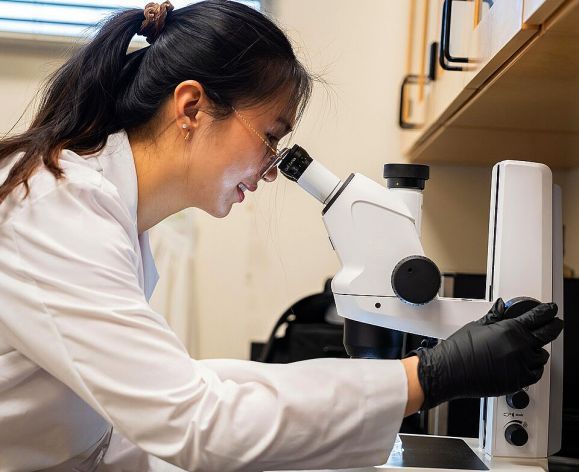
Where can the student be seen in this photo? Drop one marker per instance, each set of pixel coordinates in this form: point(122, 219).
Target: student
point(120, 142)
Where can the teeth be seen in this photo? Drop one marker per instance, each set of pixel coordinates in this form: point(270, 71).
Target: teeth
point(242, 187)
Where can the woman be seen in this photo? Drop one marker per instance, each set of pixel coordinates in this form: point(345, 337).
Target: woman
point(120, 142)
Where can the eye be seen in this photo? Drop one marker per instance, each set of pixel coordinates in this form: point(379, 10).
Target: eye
point(273, 140)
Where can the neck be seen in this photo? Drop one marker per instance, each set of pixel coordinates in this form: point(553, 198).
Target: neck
point(159, 190)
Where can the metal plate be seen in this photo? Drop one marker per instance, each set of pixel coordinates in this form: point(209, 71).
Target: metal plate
point(433, 453)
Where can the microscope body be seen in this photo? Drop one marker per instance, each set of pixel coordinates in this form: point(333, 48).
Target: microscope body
point(386, 281)
point(376, 237)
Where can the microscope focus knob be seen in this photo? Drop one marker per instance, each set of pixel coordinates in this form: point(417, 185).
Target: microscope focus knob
point(518, 400)
point(416, 280)
point(516, 435)
point(515, 307)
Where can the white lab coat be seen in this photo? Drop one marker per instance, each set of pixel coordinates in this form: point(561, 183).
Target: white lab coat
point(81, 349)
point(173, 247)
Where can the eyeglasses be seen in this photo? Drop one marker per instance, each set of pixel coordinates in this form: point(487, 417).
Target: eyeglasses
point(276, 156)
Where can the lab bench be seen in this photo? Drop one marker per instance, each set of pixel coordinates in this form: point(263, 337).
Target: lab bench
point(421, 453)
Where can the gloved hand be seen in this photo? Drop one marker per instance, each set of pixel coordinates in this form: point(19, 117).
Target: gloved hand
point(490, 357)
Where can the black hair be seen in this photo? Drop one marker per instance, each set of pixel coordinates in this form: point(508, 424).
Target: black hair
point(240, 57)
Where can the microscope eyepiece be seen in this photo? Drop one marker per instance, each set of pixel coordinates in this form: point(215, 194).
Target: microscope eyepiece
point(311, 175)
point(295, 162)
point(411, 176)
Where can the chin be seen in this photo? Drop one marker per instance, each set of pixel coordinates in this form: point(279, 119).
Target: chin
point(220, 212)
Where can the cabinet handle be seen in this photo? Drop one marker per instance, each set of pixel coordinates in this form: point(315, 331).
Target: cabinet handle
point(413, 79)
point(410, 79)
point(445, 58)
point(432, 63)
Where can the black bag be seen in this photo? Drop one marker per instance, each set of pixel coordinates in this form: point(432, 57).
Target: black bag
point(307, 333)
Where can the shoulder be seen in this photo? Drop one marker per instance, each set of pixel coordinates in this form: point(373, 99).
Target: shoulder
point(82, 190)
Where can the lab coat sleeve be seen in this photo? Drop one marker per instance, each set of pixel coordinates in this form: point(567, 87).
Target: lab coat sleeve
point(76, 308)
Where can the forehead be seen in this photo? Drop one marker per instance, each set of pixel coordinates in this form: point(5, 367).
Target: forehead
point(276, 111)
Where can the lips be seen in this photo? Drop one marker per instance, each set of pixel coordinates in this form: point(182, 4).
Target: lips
point(240, 194)
point(242, 188)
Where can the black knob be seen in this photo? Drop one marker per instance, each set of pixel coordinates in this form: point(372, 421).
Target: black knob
point(416, 280)
point(406, 175)
point(518, 400)
point(517, 306)
point(516, 435)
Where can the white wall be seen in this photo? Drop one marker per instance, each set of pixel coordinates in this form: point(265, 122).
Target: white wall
point(23, 67)
point(273, 249)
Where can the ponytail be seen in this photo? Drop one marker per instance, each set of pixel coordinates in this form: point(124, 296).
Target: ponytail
point(238, 54)
point(77, 110)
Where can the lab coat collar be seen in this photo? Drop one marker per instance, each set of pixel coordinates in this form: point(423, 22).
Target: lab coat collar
point(118, 166)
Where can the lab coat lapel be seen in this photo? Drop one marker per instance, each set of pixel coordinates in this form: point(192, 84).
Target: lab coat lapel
point(150, 274)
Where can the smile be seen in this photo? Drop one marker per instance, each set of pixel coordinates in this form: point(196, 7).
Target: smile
point(241, 188)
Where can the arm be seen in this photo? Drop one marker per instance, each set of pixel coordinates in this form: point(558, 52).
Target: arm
point(74, 306)
point(415, 392)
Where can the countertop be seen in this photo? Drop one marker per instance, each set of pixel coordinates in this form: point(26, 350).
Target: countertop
point(408, 457)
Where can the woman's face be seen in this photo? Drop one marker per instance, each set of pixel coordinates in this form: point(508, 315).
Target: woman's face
point(229, 155)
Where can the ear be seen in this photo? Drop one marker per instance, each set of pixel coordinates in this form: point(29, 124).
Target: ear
point(189, 98)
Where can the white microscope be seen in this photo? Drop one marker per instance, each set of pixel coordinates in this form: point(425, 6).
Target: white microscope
point(385, 280)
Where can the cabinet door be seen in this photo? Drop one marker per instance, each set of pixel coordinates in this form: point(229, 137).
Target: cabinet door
point(448, 92)
point(497, 35)
point(535, 12)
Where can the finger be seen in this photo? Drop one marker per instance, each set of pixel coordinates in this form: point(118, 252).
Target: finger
point(548, 332)
point(535, 375)
point(496, 313)
point(538, 316)
point(538, 358)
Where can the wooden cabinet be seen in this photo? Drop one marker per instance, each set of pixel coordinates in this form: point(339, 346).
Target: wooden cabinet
point(536, 12)
point(428, 91)
point(473, 38)
point(516, 97)
point(448, 90)
point(498, 33)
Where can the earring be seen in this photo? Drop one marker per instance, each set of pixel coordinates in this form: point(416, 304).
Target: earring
point(185, 126)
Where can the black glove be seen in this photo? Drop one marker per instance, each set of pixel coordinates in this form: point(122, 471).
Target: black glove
point(489, 357)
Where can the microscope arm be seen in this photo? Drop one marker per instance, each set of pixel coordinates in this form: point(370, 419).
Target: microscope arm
point(438, 319)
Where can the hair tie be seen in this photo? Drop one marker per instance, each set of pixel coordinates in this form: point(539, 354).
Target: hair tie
point(154, 22)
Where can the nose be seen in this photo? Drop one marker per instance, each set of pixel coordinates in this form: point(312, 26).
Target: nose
point(271, 175)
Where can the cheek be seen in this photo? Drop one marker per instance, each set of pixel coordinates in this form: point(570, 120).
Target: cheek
point(225, 174)
point(243, 164)
point(232, 156)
